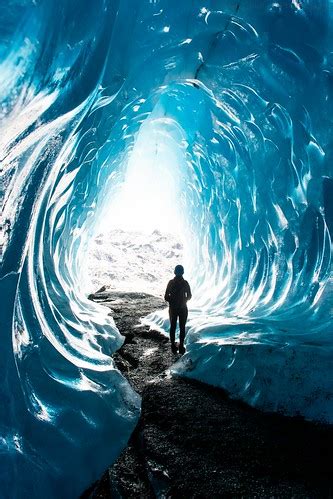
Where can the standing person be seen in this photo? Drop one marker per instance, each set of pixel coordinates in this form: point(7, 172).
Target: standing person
point(177, 293)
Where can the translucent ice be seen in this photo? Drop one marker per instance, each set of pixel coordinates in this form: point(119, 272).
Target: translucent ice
point(238, 97)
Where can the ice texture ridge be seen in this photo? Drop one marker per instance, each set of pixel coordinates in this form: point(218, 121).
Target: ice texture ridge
point(239, 96)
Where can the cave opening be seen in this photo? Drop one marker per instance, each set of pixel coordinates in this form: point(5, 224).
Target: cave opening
point(143, 232)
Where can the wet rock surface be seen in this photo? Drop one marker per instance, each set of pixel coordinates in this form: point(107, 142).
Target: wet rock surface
point(193, 441)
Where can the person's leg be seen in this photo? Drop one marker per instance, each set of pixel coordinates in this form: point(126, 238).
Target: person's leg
point(173, 323)
point(182, 321)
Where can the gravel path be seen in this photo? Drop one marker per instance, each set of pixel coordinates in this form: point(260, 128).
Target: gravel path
point(193, 441)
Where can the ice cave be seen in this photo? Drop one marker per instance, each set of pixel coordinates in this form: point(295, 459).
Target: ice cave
point(217, 116)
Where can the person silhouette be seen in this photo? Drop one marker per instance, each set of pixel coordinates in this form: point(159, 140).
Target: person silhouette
point(177, 294)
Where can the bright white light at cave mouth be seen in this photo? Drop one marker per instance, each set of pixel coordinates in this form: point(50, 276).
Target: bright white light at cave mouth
point(149, 198)
point(140, 238)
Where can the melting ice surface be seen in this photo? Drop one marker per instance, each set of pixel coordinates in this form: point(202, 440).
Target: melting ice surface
point(238, 96)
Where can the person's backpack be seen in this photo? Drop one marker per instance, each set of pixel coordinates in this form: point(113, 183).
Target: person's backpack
point(177, 293)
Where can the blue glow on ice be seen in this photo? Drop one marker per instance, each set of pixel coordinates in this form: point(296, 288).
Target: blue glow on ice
point(239, 95)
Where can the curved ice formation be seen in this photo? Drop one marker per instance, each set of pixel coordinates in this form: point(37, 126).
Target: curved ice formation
point(240, 98)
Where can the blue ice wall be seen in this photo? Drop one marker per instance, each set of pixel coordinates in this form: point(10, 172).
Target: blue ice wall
point(244, 90)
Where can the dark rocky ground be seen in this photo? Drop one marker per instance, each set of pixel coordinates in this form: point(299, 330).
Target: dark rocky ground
point(192, 441)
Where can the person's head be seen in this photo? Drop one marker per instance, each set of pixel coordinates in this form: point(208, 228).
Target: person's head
point(179, 270)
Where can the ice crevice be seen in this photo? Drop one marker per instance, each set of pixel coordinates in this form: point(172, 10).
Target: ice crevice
point(219, 122)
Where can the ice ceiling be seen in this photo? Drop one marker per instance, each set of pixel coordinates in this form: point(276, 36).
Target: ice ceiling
point(234, 98)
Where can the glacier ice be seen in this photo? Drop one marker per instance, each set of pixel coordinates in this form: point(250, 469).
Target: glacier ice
point(239, 95)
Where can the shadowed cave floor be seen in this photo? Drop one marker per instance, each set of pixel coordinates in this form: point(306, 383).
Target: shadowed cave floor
point(193, 441)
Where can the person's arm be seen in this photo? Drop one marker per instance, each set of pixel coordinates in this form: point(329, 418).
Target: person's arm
point(188, 291)
point(167, 292)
